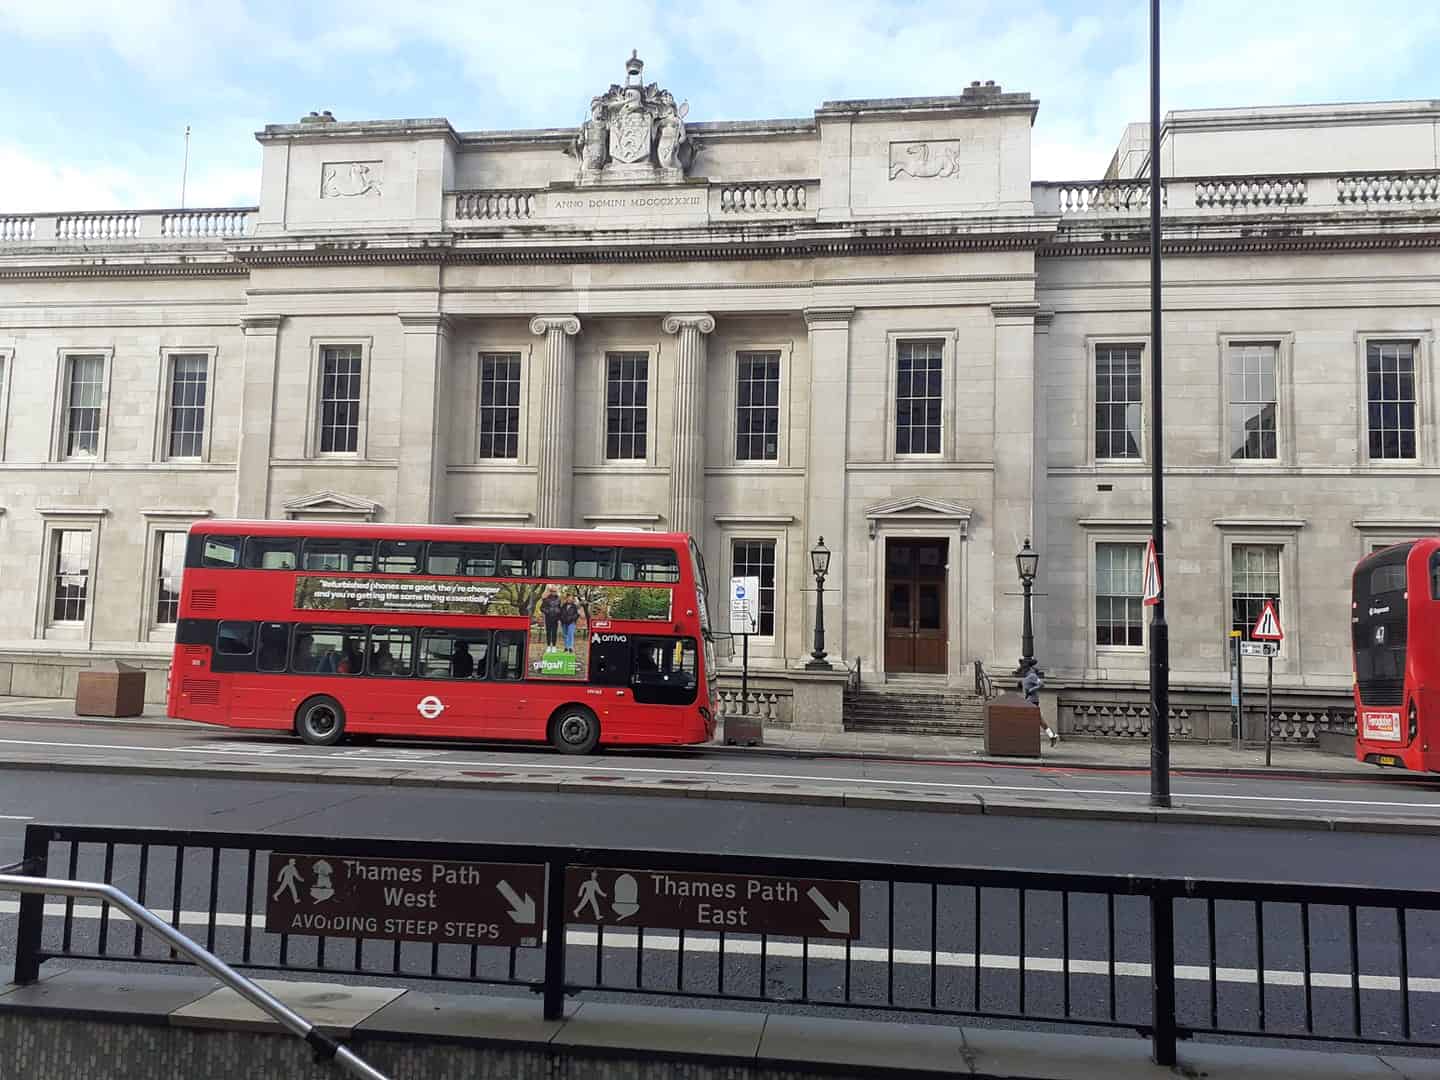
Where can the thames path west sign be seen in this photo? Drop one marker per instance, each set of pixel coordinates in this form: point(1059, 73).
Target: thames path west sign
point(460, 903)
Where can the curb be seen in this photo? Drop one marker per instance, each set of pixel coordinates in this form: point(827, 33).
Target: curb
point(1378, 775)
point(920, 802)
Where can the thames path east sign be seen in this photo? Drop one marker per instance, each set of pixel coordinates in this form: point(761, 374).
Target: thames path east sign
point(733, 902)
point(459, 903)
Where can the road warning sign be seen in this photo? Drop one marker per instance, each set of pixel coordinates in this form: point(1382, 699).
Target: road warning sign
point(1151, 575)
point(1267, 626)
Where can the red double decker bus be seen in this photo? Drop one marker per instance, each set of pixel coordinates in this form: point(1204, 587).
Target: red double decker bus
point(1395, 629)
point(575, 637)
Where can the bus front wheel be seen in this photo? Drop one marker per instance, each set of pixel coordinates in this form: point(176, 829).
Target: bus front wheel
point(320, 721)
point(575, 730)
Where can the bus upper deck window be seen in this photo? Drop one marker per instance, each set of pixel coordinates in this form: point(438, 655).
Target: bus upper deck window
point(649, 564)
point(342, 556)
point(519, 560)
point(399, 556)
point(1435, 576)
point(461, 560)
point(212, 552)
point(271, 553)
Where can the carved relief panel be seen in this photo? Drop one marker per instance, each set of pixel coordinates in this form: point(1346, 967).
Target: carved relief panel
point(351, 179)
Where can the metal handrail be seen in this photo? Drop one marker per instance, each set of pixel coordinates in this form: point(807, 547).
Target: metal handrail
point(326, 1048)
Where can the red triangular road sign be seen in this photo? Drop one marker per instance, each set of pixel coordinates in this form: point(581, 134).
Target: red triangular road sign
point(1151, 574)
point(1267, 626)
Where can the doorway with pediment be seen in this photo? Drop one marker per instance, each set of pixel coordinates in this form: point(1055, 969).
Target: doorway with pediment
point(917, 565)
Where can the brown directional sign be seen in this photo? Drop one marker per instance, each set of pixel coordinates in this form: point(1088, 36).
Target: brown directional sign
point(735, 902)
point(461, 903)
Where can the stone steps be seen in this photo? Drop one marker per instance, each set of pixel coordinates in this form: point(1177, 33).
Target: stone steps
point(914, 711)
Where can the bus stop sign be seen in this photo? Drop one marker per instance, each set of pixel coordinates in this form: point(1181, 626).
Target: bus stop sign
point(744, 605)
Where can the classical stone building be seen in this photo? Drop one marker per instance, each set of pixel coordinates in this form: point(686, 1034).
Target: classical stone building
point(869, 325)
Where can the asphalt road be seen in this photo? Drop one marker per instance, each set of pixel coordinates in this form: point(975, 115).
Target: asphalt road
point(1386, 795)
point(791, 967)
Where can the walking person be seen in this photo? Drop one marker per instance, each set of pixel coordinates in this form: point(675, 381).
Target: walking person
point(569, 616)
point(1031, 685)
point(550, 612)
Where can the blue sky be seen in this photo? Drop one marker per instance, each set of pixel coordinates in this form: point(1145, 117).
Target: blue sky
point(95, 94)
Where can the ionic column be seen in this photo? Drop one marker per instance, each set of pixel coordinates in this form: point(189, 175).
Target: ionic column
point(555, 462)
point(687, 457)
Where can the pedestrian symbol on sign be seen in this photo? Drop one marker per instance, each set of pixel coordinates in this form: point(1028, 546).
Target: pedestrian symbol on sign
point(287, 879)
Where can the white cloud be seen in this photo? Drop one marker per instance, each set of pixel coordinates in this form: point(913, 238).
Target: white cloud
point(497, 64)
point(32, 184)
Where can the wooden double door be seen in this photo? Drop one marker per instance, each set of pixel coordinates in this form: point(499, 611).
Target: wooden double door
point(916, 619)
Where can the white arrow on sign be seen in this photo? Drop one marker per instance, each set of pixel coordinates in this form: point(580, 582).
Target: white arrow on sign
point(521, 911)
point(835, 918)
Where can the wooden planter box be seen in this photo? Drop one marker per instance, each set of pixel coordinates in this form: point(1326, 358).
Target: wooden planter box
point(1012, 727)
point(110, 688)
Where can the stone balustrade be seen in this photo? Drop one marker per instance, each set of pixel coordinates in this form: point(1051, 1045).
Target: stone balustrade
point(1381, 189)
point(16, 228)
point(772, 706)
point(1125, 197)
point(496, 206)
point(126, 227)
point(204, 224)
point(1227, 195)
point(1290, 725)
point(775, 197)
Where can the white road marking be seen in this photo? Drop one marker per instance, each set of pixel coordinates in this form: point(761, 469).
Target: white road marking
point(867, 954)
point(15, 817)
point(607, 767)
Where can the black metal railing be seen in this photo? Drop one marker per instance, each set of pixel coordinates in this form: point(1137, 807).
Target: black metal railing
point(1166, 957)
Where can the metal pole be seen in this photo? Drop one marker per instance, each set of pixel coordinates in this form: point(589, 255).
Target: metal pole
point(554, 985)
point(185, 169)
point(1159, 630)
point(1027, 632)
point(1269, 689)
point(324, 1046)
point(1237, 692)
point(744, 674)
point(818, 655)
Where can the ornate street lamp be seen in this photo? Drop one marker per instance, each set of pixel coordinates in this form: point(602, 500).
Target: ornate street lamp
point(1027, 562)
point(820, 566)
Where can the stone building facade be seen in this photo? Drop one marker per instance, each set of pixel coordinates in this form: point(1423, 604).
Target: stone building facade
point(869, 325)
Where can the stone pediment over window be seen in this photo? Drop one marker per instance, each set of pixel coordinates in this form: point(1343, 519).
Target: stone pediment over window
point(918, 510)
point(333, 506)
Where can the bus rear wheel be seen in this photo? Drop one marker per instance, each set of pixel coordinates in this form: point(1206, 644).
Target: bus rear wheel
point(575, 730)
point(320, 721)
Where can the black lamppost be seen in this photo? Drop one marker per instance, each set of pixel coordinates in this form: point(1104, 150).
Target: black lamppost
point(820, 565)
point(1027, 562)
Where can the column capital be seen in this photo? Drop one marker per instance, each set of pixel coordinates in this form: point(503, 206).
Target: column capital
point(261, 324)
point(699, 320)
point(828, 318)
point(543, 324)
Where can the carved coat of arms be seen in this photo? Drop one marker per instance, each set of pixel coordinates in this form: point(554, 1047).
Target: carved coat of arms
point(634, 125)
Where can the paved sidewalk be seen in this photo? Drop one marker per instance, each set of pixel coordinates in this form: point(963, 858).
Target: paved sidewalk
point(1084, 753)
point(1092, 753)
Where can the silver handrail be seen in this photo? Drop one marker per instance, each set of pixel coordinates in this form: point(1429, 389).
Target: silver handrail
point(324, 1046)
